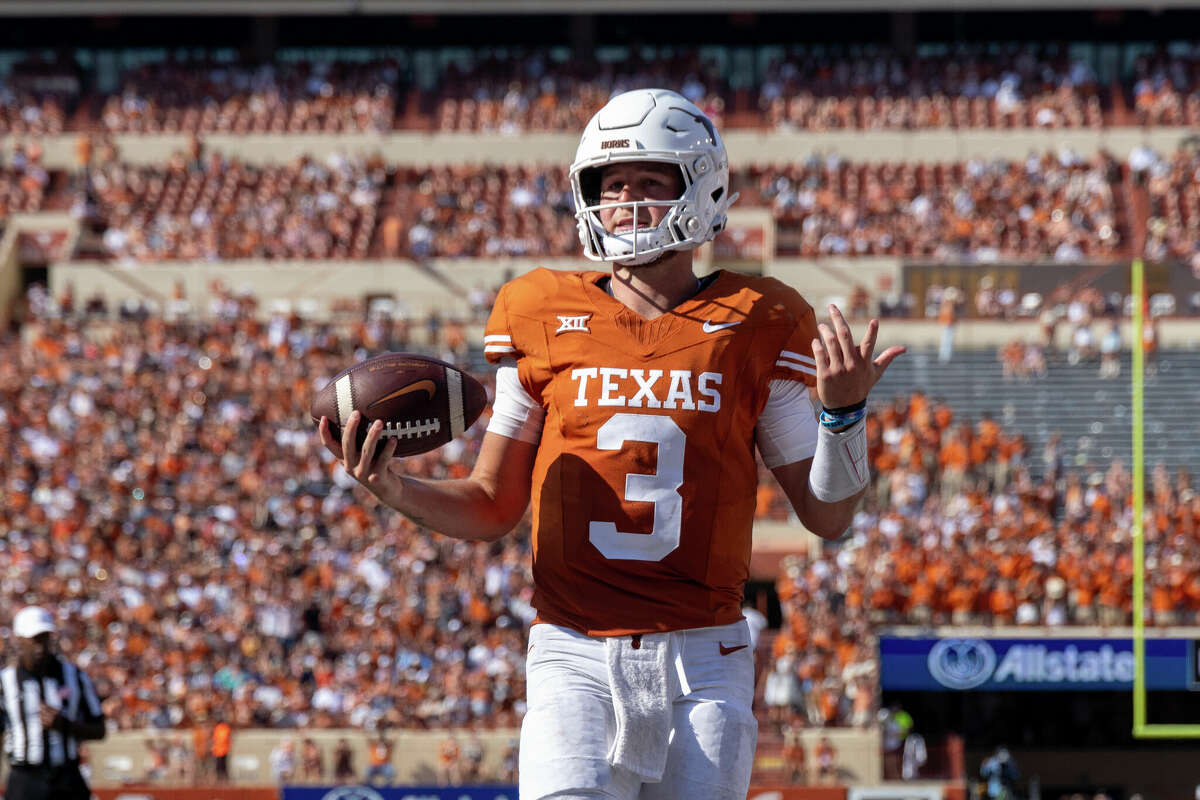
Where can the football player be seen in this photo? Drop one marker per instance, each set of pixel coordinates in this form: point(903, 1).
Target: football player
point(629, 405)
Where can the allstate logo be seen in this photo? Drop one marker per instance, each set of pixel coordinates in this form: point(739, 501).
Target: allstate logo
point(961, 663)
point(353, 793)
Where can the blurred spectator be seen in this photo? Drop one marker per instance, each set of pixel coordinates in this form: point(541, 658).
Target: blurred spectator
point(156, 759)
point(915, 756)
point(1150, 344)
point(896, 724)
point(509, 763)
point(283, 761)
point(181, 764)
point(343, 763)
point(472, 771)
point(947, 318)
point(1110, 351)
point(312, 762)
point(450, 770)
point(795, 764)
point(222, 735)
point(783, 695)
point(202, 755)
point(1001, 773)
point(380, 771)
point(826, 761)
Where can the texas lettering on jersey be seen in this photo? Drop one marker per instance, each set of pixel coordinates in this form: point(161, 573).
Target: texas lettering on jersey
point(645, 478)
point(619, 387)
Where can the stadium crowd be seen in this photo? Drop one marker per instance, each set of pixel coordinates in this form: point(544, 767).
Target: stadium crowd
point(205, 205)
point(1166, 88)
point(878, 88)
point(212, 207)
point(24, 183)
point(1050, 204)
point(537, 92)
point(863, 87)
point(165, 492)
point(303, 97)
point(1173, 227)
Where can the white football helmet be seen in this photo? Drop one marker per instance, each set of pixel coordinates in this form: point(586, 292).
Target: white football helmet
point(652, 125)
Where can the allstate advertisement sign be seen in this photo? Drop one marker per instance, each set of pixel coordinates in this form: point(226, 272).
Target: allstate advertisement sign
point(1004, 664)
point(399, 793)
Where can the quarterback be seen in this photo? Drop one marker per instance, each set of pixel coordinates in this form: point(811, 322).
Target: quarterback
point(629, 406)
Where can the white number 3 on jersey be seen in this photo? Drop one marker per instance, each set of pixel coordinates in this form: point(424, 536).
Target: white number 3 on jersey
point(661, 488)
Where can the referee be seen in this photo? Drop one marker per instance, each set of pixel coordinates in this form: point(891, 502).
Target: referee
point(47, 707)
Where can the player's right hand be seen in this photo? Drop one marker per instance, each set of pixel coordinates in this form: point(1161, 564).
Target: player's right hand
point(372, 465)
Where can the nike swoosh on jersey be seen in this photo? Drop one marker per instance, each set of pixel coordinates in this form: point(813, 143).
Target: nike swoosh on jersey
point(711, 327)
point(727, 650)
point(425, 385)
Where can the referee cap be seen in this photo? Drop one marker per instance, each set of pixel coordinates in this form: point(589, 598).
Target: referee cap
point(32, 621)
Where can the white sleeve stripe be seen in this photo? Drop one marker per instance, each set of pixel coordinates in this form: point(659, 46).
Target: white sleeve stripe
point(498, 348)
point(797, 367)
point(803, 359)
point(497, 338)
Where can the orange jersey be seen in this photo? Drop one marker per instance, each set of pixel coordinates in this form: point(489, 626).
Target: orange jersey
point(645, 479)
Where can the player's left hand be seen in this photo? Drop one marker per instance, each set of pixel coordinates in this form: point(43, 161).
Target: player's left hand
point(846, 371)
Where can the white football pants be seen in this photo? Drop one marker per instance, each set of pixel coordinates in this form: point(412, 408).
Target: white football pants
point(570, 723)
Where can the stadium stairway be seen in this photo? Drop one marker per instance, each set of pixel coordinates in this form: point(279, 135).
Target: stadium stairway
point(1093, 414)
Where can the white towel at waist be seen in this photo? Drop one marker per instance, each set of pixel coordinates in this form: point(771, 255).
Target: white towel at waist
point(641, 691)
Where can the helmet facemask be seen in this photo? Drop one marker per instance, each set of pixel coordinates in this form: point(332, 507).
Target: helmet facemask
point(643, 243)
point(661, 127)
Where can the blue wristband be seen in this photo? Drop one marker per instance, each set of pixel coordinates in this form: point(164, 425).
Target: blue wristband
point(841, 420)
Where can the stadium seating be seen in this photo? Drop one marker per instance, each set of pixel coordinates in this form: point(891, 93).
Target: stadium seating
point(220, 208)
point(326, 97)
point(1173, 228)
point(546, 89)
point(211, 206)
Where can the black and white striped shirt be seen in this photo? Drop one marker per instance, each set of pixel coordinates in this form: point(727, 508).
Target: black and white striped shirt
point(22, 693)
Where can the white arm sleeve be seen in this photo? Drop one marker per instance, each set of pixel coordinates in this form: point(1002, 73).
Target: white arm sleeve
point(514, 413)
point(840, 469)
point(787, 427)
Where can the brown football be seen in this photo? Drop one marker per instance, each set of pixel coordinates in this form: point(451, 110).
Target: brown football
point(422, 401)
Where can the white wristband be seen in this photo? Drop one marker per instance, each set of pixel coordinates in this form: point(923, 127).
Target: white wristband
point(839, 469)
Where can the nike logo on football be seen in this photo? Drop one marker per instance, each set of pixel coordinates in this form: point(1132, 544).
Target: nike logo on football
point(710, 327)
point(420, 386)
point(727, 650)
